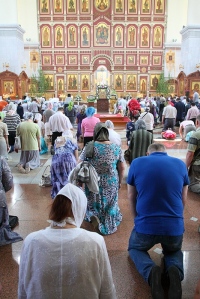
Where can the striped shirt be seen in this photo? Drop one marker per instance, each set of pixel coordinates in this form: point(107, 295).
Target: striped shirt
point(12, 121)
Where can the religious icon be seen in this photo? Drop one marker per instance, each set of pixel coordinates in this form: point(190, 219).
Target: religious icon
point(195, 86)
point(71, 6)
point(44, 4)
point(143, 86)
point(59, 36)
point(85, 36)
point(143, 60)
point(159, 6)
point(131, 82)
point(156, 60)
point(118, 82)
point(58, 6)
point(102, 4)
point(9, 88)
point(145, 36)
point(85, 59)
point(47, 59)
point(132, 6)
point(85, 82)
point(60, 84)
point(72, 82)
point(46, 37)
point(118, 59)
point(72, 32)
point(118, 36)
point(59, 59)
point(50, 81)
point(154, 81)
point(157, 37)
point(131, 59)
point(131, 33)
point(181, 87)
point(119, 6)
point(145, 6)
point(72, 59)
point(84, 5)
point(34, 57)
point(102, 34)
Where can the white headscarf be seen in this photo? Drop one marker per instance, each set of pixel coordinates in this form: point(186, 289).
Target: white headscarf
point(78, 199)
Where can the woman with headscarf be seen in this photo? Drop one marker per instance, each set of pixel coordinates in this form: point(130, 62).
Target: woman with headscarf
point(29, 133)
point(80, 116)
point(7, 236)
point(63, 162)
point(140, 140)
point(148, 118)
point(70, 112)
point(4, 146)
point(12, 119)
point(106, 157)
point(114, 137)
point(38, 120)
point(64, 260)
point(46, 115)
point(88, 124)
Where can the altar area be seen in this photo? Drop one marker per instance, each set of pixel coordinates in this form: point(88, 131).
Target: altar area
point(105, 99)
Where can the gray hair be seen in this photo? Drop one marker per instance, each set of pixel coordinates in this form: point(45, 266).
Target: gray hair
point(109, 124)
point(140, 124)
point(28, 115)
point(156, 147)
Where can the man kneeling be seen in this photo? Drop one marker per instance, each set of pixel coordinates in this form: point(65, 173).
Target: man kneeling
point(157, 191)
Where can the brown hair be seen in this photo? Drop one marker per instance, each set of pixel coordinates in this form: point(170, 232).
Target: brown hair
point(60, 208)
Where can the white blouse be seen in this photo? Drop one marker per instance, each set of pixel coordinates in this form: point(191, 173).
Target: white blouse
point(65, 264)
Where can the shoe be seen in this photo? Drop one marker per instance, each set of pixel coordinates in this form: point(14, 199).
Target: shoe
point(21, 169)
point(155, 283)
point(175, 289)
point(95, 221)
point(27, 169)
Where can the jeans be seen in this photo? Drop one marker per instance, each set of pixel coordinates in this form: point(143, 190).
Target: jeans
point(139, 244)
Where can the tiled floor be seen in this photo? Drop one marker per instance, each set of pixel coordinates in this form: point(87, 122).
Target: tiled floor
point(31, 204)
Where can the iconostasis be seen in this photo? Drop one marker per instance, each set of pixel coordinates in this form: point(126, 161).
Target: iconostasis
point(124, 38)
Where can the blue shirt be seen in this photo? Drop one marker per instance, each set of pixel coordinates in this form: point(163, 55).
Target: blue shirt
point(159, 181)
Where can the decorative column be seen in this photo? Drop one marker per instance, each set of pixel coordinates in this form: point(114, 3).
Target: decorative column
point(190, 54)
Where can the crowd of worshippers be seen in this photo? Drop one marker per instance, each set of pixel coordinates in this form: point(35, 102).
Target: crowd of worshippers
point(86, 187)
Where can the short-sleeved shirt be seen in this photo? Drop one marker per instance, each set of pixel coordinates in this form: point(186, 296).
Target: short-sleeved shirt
point(3, 129)
point(28, 132)
point(194, 145)
point(159, 180)
point(88, 125)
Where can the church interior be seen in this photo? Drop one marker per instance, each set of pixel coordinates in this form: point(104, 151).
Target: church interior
point(83, 47)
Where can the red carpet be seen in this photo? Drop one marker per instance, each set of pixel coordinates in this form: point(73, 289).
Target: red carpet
point(117, 119)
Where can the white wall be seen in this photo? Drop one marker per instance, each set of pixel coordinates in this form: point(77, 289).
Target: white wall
point(8, 12)
point(27, 18)
point(193, 12)
point(176, 19)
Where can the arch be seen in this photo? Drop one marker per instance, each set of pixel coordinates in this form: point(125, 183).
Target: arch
point(102, 56)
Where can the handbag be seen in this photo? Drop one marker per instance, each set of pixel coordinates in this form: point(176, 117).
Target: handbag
point(13, 221)
point(46, 178)
point(17, 144)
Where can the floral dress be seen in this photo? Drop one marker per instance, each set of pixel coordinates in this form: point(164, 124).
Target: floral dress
point(105, 204)
point(62, 163)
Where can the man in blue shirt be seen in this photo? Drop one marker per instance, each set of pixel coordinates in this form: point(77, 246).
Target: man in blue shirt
point(157, 191)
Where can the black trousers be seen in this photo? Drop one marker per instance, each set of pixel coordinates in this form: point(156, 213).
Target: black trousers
point(54, 136)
